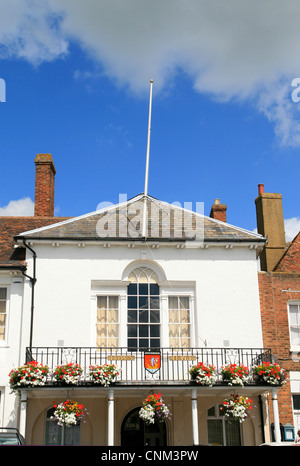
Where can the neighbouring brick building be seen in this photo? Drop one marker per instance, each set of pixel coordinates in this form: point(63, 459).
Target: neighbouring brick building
point(279, 288)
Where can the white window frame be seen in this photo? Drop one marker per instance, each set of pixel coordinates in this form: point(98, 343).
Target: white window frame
point(167, 288)
point(109, 288)
point(293, 303)
point(173, 289)
point(5, 340)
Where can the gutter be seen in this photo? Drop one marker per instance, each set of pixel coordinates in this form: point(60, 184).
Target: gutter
point(33, 282)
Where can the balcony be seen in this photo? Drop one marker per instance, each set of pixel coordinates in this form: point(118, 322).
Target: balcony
point(165, 366)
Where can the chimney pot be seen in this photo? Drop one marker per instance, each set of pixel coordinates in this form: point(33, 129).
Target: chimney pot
point(261, 188)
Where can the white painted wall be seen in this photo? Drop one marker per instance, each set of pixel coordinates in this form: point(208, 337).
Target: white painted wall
point(225, 288)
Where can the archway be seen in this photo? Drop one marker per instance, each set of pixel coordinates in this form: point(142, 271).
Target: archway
point(134, 431)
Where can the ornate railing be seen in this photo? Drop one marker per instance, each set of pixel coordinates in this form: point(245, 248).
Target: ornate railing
point(164, 365)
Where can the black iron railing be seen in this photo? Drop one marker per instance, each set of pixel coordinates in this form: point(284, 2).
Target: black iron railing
point(165, 365)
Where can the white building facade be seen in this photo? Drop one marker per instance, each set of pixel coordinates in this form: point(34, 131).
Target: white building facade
point(137, 282)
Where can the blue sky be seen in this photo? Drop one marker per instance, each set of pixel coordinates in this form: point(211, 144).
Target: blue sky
point(77, 86)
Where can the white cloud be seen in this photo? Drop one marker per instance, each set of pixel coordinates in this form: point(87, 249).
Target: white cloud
point(19, 208)
point(231, 50)
point(292, 228)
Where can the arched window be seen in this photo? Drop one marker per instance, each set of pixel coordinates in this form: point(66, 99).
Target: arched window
point(143, 330)
point(58, 435)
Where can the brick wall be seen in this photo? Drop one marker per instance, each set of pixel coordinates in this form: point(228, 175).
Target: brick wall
point(275, 327)
point(44, 186)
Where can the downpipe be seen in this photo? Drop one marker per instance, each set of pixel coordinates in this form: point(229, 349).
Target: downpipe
point(33, 282)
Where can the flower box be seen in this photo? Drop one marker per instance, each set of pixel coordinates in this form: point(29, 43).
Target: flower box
point(203, 375)
point(234, 374)
point(31, 374)
point(269, 373)
point(104, 375)
point(68, 373)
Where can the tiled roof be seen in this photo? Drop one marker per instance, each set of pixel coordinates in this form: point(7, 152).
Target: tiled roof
point(165, 222)
point(11, 226)
point(290, 260)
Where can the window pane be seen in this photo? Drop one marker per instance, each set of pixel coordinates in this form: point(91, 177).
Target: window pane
point(154, 331)
point(113, 302)
point(143, 289)
point(102, 302)
point(132, 316)
point(132, 330)
point(132, 289)
point(154, 317)
point(132, 343)
point(233, 438)
point(296, 402)
point(173, 302)
point(295, 336)
point(154, 343)
point(184, 302)
point(143, 330)
point(72, 435)
point(154, 289)
point(215, 431)
point(143, 343)
point(3, 293)
point(143, 302)
point(294, 314)
point(132, 302)
point(143, 316)
point(53, 433)
point(154, 303)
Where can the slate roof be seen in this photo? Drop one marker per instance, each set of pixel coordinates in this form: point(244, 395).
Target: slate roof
point(165, 222)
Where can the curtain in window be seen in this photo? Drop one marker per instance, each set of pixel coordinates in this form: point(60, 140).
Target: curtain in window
point(179, 322)
point(107, 321)
point(3, 292)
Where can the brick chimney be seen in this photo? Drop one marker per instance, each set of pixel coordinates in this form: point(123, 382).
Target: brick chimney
point(270, 224)
point(218, 211)
point(44, 185)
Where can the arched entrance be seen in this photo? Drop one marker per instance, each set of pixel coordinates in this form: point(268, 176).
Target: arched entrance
point(134, 431)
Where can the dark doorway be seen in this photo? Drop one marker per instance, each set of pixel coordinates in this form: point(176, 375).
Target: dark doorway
point(135, 431)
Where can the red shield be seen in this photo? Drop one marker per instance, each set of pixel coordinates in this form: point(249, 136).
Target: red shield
point(152, 362)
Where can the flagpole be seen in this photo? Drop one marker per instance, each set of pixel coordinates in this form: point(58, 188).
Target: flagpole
point(147, 161)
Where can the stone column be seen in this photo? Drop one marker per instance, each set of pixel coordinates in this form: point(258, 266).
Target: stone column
point(276, 416)
point(23, 412)
point(111, 415)
point(195, 418)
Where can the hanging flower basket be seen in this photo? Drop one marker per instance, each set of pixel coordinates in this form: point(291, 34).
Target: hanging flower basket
point(203, 375)
point(68, 413)
point(31, 374)
point(154, 409)
point(235, 374)
point(236, 408)
point(104, 375)
point(270, 373)
point(68, 373)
